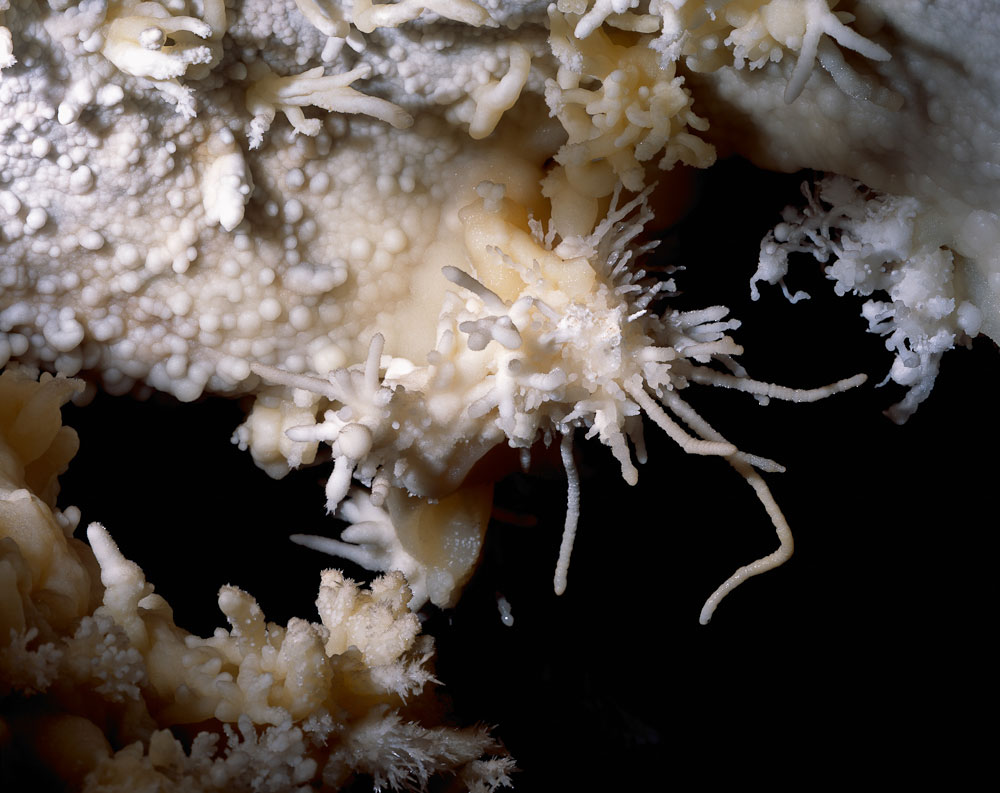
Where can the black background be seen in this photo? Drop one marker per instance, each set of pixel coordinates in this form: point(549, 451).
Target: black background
point(868, 645)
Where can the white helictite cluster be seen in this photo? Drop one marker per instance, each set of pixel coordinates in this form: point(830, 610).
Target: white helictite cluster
point(885, 244)
point(544, 341)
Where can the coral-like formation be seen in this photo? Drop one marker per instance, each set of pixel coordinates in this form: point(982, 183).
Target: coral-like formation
point(272, 708)
point(880, 243)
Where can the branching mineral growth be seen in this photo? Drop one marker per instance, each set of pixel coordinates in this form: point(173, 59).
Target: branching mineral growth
point(292, 705)
point(916, 133)
point(441, 245)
